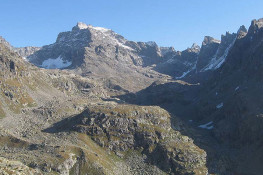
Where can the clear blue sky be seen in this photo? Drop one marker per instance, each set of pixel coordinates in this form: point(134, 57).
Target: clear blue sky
point(177, 23)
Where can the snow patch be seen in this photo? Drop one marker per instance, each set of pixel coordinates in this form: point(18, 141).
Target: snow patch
point(57, 63)
point(184, 74)
point(82, 25)
point(122, 45)
point(219, 105)
point(24, 58)
point(187, 72)
point(208, 125)
point(101, 29)
point(107, 33)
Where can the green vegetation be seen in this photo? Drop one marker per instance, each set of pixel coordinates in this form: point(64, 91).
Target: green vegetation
point(97, 159)
point(13, 142)
point(14, 96)
point(2, 112)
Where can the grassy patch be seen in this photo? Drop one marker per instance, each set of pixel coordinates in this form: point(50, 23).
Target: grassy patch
point(98, 155)
point(12, 82)
point(26, 100)
point(13, 142)
point(2, 112)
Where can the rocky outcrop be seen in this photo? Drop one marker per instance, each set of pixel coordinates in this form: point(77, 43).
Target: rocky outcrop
point(14, 167)
point(148, 129)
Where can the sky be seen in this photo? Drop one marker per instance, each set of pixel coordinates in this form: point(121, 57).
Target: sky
point(177, 23)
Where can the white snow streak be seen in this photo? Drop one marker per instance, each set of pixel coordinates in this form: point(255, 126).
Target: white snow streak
point(219, 105)
point(207, 125)
point(187, 72)
point(184, 74)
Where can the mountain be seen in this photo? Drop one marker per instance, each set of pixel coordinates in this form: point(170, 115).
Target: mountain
point(99, 51)
point(95, 50)
point(57, 122)
point(95, 102)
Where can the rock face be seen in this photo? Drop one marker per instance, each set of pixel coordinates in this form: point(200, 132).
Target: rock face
point(208, 50)
point(179, 64)
point(213, 56)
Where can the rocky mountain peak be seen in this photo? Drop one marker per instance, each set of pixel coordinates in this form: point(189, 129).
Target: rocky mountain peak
point(7, 44)
point(82, 25)
point(166, 50)
point(209, 40)
point(258, 23)
point(195, 47)
point(208, 50)
point(227, 35)
point(255, 26)
point(242, 32)
point(214, 52)
point(227, 38)
point(151, 43)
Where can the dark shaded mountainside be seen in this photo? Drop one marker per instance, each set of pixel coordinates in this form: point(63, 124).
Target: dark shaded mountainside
point(100, 104)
